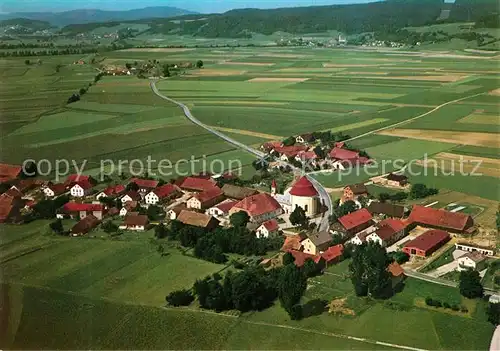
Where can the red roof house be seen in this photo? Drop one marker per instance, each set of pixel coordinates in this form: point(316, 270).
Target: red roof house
point(426, 243)
point(226, 206)
point(145, 184)
point(9, 172)
point(333, 254)
point(440, 219)
point(76, 178)
point(55, 189)
point(302, 257)
point(161, 193)
point(343, 154)
point(303, 187)
point(82, 210)
point(260, 207)
point(10, 205)
point(197, 184)
point(292, 242)
point(114, 190)
point(356, 221)
point(267, 229)
point(206, 198)
point(85, 225)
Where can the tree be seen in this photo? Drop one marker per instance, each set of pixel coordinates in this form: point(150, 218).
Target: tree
point(161, 250)
point(383, 197)
point(419, 191)
point(128, 65)
point(296, 312)
point(161, 231)
point(299, 217)
point(132, 187)
point(319, 152)
point(399, 256)
point(493, 313)
point(310, 268)
point(399, 196)
point(346, 208)
point(26, 62)
point(154, 212)
point(180, 298)
point(166, 70)
point(57, 226)
point(290, 141)
point(470, 284)
point(292, 284)
point(498, 220)
point(109, 227)
point(82, 91)
point(288, 259)
point(199, 64)
point(239, 219)
point(363, 201)
point(73, 98)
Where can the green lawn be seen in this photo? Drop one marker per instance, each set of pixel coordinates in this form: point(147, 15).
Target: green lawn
point(444, 258)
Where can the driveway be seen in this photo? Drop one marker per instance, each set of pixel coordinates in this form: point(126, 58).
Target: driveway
point(446, 268)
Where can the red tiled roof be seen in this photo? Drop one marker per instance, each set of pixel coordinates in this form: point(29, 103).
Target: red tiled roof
point(303, 187)
point(428, 240)
point(396, 224)
point(343, 154)
point(395, 269)
point(58, 188)
point(195, 218)
point(301, 257)
point(339, 144)
point(271, 145)
point(385, 232)
point(271, 225)
point(145, 183)
point(136, 220)
point(85, 225)
point(292, 243)
point(307, 155)
point(77, 207)
point(439, 218)
point(9, 172)
point(114, 190)
point(85, 184)
point(356, 218)
point(75, 178)
point(226, 205)
point(134, 195)
point(14, 192)
point(258, 204)
point(333, 252)
point(165, 190)
point(130, 205)
point(7, 205)
point(197, 184)
point(290, 151)
point(209, 194)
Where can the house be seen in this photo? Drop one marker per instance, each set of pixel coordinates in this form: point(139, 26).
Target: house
point(303, 194)
point(222, 209)
point(333, 254)
point(197, 184)
point(81, 188)
point(268, 229)
point(305, 138)
point(79, 210)
point(76, 178)
point(174, 212)
point(198, 219)
point(360, 238)
point(301, 258)
point(388, 232)
point(472, 260)
point(145, 185)
point(386, 209)
point(131, 195)
point(9, 172)
point(271, 145)
point(237, 192)
point(292, 242)
point(111, 191)
point(397, 274)
point(287, 153)
point(317, 242)
point(135, 222)
point(26, 185)
point(356, 221)
point(427, 243)
point(353, 192)
point(260, 207)
point(55, 190)
point(397, 180)
point(128, 206)
point(85, 225)
point(206, 198)
point(487, 251)
point(343, 155)
point(10, 206)
point(162, 193)
point(454, 222)
point(307, 157)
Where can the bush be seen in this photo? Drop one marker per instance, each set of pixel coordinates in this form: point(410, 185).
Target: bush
point(180, 298)
point(464, 309)
point(446, 305)
point(429, 301)
point(455, 308)
point(438, 303)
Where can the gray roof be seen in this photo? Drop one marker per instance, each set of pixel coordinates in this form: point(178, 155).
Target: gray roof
point(320, 238)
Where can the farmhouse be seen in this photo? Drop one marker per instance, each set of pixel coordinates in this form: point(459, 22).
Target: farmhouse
point(9, 172)
point(54, 190)
point(389, 231)
point(260, 207)
point(454, 222)
point(79, 210)
point(111, 191)
point(174, 212)
point(198, 219)
point(471, 260)
point(292, 242)
point(162, 193)
point(333, 254)
point(268, 229)
point(397, 180)
point(135, 222)
point(197, 184)
point(85, 225)
point(271, 145)
point(304, 195)
point(360, 238)
point(76, 178)
point(206, 199)
point(386, 209)
point(301, 258)
point(237, 192)
point(487, 251)
point(343, 155)
point(317, 242)
point(128, 207)
point(145, 185)
point(222, 209)
point(81, 188)
point(356, 221)
point(352, 192)
point(131, 196)
point(10, 206)
point(427, 243)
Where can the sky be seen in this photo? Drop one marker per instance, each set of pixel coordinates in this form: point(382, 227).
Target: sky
point(203, 6)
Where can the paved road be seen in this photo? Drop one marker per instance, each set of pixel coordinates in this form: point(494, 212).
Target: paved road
point(324, 196)
point(442, 270)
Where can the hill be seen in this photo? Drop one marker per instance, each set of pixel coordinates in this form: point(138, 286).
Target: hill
point(27, 23)
point(88, 16)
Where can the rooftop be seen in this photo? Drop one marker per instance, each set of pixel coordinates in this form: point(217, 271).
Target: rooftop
point(355, 219)
point(428, 240)
point(303, 187)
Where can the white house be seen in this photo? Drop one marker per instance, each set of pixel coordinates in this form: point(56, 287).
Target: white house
point(471, 248)
point(471, 260)
point(221, 209)
point(137, 223)
point(80, 189)
point(131, 196)
point(267, 229)
point(360, 238)
point(161, 193)
point(128, 207)
point(54, 190)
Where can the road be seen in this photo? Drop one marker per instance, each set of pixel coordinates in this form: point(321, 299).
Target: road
point(324, 196)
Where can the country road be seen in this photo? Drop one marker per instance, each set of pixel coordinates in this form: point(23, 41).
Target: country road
point(324, 196)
